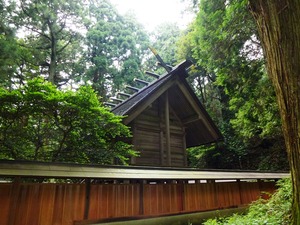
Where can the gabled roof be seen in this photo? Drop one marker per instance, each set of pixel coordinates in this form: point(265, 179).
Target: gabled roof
point(200, 129)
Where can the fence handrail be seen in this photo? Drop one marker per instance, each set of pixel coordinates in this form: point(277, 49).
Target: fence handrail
point(11, 168)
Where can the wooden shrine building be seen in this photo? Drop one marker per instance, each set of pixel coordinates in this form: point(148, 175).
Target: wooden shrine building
point(166, 117)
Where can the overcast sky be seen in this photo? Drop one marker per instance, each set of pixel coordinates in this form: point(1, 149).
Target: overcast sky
point(154, 12)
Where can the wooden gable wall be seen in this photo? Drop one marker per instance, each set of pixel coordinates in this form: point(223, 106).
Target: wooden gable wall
point(150, 136)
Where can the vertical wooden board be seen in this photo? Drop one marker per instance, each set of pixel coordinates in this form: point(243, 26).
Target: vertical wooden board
point(68, 204)
point(127, 200)
point(59, 204)
point(137, 198)
point(228, 194)
point(5, 195)
point(196, 196)
point(93, 206)
point(132, 196)
point(161, 199)
point(249, 192)
point(47, 206)
point(111, 199)
point(79, 201)
point(180, 196)
point(153, 201)
point(190, 197)
point(234, 194)
point(22, 207)
point(245, 199)
point(150, 199)
point(175, 200)
point(172, 199)
point(204, 196)
point(33, 205)
point(99, 201)
point(186, 204)
point(103, 201)
point(75, 213)
point(119, 200)
point(147, 199)
point(131, 206)
point(14, 202)
point(221, 194)
point(210, 196)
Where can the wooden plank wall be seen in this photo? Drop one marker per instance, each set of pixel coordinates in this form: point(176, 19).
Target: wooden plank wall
point(111, 201)
point(47, 204)
point(149, 138)
point(62, 204)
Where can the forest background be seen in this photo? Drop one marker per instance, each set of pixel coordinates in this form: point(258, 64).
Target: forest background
point(87, 52)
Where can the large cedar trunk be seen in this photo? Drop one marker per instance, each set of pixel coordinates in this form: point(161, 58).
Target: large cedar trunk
point(279, 30)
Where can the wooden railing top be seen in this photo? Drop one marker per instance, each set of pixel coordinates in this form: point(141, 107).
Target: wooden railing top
point(70, 170)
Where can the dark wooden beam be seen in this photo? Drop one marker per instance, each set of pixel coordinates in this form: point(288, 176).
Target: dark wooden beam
point(152, 74)
point(191, 119)
point(160, 60)
point(141, 81)
point(116, 99)
point(123, 94)
point(197, 110)
point(132, 88)
point(167, 127)
point(184, 148)
point(161, 130)
point(170, 67)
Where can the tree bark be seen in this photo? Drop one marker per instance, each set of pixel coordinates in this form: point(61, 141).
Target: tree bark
point(279, 30)
point(53, 54)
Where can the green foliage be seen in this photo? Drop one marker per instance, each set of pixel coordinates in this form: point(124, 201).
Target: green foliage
point(230, 79)
point(165, 39)
point(39, 122)
point(275, 211)
point(116, 45)
point(52, 36)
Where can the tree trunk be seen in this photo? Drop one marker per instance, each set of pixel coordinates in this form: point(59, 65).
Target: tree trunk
point(279, 30)
point(53, 54)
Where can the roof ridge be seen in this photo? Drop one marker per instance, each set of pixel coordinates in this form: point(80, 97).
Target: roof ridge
point(184, 64)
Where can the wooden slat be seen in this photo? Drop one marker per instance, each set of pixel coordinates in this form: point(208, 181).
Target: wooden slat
point(228, 194)
point(5, 195)
point(250, 192)
point(47, 206)
point(161, 199)
point(200, 197)
point(111, 201)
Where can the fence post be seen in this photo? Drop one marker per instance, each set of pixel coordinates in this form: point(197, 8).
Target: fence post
point(142, 182)
point(87, 198)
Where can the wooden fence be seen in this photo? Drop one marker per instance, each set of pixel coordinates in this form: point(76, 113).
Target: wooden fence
point(67, 204)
